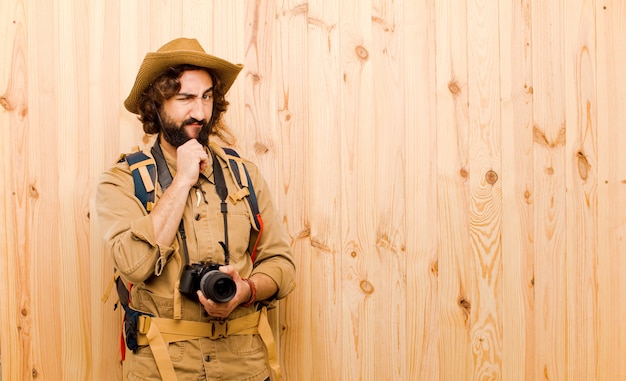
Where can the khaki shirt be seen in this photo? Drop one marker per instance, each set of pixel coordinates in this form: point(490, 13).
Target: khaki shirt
point(155, 270)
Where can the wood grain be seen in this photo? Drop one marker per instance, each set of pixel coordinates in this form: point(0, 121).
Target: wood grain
point(455, 267)
point(611, 117)
point(516, 92)
point(549, 130)
point(105, 110)
point(485, 199)
point(15, 314)
point(451, 176)
point(326, 196)
point(422, 266)
point(581, 153)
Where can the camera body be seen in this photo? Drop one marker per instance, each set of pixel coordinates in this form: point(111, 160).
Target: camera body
point(207, 277)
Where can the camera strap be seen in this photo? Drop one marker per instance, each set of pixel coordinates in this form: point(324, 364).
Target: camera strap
point(222, 192)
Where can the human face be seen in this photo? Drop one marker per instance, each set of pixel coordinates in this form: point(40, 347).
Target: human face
point(187, 114)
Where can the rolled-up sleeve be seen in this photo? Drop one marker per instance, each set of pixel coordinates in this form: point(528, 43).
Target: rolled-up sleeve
point(126, 227)
point(274, 257)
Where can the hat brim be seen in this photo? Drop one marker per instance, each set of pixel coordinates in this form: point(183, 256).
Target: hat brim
point(154, 64)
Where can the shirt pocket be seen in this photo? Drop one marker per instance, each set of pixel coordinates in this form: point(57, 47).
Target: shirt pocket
point(146, 301)
point(238, 233)
point(246, 345)
point(176, 351)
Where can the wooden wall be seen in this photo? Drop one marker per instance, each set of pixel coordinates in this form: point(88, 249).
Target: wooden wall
point(452, 175)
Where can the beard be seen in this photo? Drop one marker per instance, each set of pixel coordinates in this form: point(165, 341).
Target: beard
point(176, 135)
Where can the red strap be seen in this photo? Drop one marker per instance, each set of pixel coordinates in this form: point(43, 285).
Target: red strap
point(122, 340)
point(258, 238)
point(122, 343)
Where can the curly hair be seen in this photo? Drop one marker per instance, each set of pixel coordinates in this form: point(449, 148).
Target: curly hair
point(168, 85)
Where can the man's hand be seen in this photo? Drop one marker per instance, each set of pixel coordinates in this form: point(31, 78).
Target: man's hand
point(242, 295)
point(191, 159)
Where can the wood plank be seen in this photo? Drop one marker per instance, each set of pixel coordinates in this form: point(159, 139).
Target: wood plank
point(549, 183)
point(517, 191)
point(258, 80)
point(324, 174)
point(385, 258)
point(15, 314)
point(419, 75)
point(74, 300)
point(581, 153)
point(611, 135)
point(277, 118)
point(485, 172)
point(357, 161)
point(105, 107)
point(42, 214)
point(455, 285)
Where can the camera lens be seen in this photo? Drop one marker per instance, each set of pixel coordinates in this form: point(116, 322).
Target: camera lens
point(217, 286)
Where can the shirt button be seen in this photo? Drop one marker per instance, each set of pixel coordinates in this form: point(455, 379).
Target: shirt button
point(207, 358)
point(197, 217)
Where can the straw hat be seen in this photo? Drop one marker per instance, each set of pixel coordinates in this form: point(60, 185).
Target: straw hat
point(177, 52)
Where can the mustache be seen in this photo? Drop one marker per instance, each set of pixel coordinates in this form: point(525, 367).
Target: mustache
point(202, 122)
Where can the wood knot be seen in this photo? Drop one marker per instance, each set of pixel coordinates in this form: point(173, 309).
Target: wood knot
point(465, 304)
point(527, 196)
point(5, 103)
point(463, 173)
point(466, 307)
point(33, 192)
point(454, 87)
point(260, 148)
point(583, 166)
point(435, 268)
point(367, 287)
point(491, 176)
point(285, 115)
point(361, 52)
point(304, 233)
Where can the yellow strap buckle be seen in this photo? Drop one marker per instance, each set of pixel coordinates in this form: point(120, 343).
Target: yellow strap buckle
point(239, 195)
point(219, 329)
point(143, 324)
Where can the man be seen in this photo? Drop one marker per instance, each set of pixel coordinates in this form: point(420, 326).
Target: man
point(168, 251)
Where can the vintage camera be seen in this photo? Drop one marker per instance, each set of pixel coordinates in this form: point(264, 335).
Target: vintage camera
point(207, 277)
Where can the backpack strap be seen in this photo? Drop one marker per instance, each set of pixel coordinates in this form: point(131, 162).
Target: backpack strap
point(143, 168)
point(237, 167)
point(240, 174)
